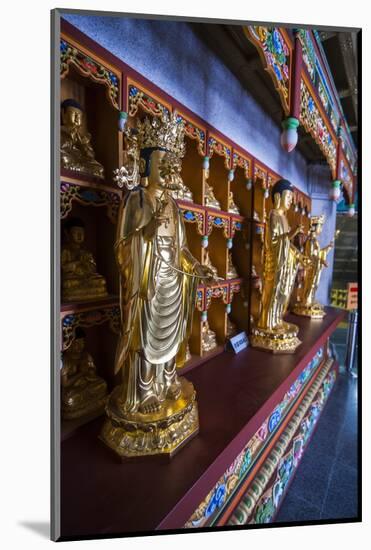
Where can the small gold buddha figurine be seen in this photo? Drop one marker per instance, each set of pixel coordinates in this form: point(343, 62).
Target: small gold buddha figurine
point(80, 280)
point(256, 216)
point(174, 181)
point(184, 193)
point(232, 273)
point(281, 262)
point(232, 207)
point(231, 328)
point(77, 154)
point(210, 199)
point(83, 391)
point(207, 263)
point(208, 338)
point(256, 281)
point(188, 356)
point(305, 304)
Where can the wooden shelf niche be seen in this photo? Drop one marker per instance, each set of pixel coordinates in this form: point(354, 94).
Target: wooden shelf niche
point(100, 120)
point(260, 211)
point(101, 345)
point(99, 240)
point(192, 172)
point(217, 320)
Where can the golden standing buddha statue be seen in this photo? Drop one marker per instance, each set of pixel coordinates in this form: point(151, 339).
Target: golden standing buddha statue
point(83, 391)
point(153, 411)
point(306, 304)
point(281, 261)
point(77, 154)
point(80, 280)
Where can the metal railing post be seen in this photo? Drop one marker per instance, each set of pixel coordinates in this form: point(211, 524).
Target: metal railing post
point(351, 341)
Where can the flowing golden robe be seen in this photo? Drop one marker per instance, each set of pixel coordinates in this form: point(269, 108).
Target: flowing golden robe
point(156, 301)
point(280, 268)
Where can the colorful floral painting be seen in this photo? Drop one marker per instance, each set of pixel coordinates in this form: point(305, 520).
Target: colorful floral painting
point(272, 44)
point(86, 65)
point(239, 469)
point(313, 122)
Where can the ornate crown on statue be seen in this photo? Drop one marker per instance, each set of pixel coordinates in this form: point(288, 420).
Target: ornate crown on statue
point(165, 131)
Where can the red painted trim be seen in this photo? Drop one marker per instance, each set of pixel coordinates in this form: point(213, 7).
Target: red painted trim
point(68, 308)
point(341, 157)
point(329, 78)
point(253, 170)
point(333, 89)
point(290, 44)
point(103, 60)
point(90, 44)
point(186, 506)
point(85, 180)
point(124, 95)
point(296, 77)
point(309, 84)
point(208, 210)
point(338, 154)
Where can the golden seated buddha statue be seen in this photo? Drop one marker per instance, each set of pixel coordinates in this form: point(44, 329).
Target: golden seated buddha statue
point(83, 391)
point(232, 207)
point(77, 154)
point(208, 338)
point(80, 280)
point(210, 199)
point(207, 263)
point(182, 192)
point(232, 272)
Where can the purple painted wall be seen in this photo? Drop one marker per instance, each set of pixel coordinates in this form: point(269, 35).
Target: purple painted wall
point(174, 58)
point(318, 178)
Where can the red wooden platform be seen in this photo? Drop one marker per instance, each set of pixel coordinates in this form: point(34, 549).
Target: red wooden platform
point(100, 495)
